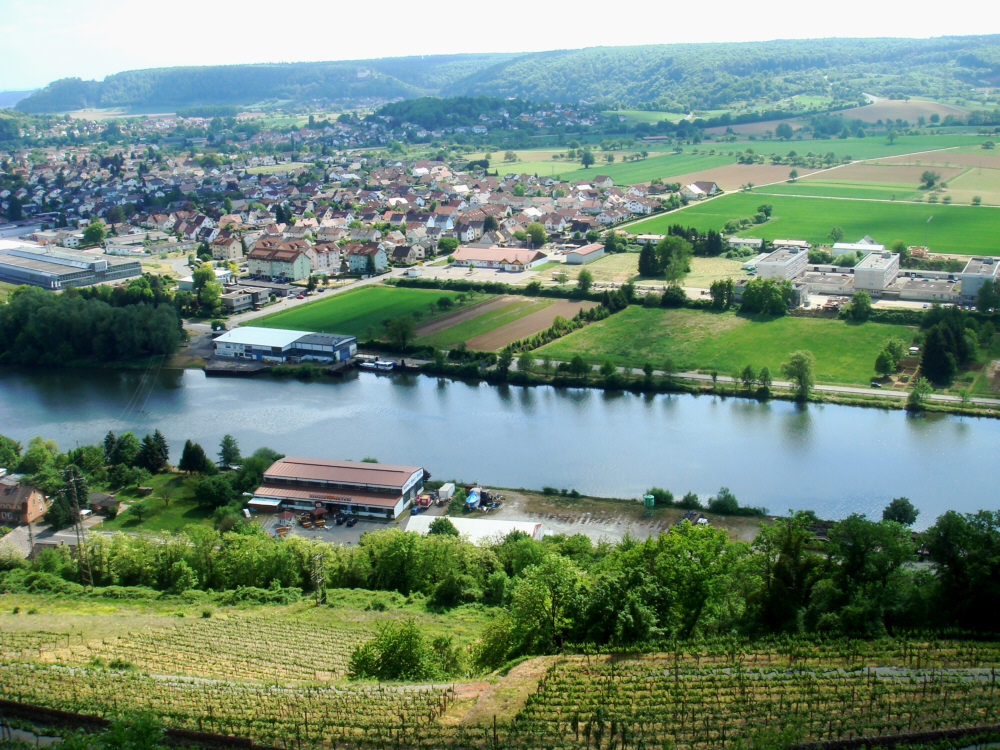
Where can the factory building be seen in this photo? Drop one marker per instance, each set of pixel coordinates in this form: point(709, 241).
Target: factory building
point(977, 272)
point(313, 484)
point(786, 262)
point(52, 268)
point(875, 272)
point(277, 345)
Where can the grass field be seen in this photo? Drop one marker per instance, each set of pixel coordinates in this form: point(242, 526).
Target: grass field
point(664, 166)
point(634, 116)
point(276, 168)
point(618, 268)
point(966, 230)
point(860, 148)
point(831, 189)
point(170, 507)
point(726, 342)
point(462, 332)
point(360, 312)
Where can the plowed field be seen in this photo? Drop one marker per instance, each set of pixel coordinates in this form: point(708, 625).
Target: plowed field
point(527, 326)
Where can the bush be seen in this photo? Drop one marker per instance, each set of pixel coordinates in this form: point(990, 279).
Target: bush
point(399, 652)
point(661, 496)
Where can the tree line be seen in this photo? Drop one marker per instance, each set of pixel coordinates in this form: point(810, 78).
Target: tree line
point(41, 328)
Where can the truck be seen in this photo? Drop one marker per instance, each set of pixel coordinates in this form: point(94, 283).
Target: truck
point(444, 493)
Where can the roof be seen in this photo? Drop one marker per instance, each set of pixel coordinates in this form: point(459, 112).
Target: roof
point(878, 261)
point(588, 249)
point(981, 267)
point(14, 493)
point(478, 530)
point(251, 336)
point(496, 255)
point(342, 472)
point(277, 492)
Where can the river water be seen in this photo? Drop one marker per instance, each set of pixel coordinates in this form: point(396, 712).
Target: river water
point(835, 460)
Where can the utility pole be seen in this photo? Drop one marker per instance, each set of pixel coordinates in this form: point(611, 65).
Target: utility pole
point(82, 554)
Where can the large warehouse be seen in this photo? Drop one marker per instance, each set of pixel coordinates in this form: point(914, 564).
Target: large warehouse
point(354, 487)
point(281, 345)
point(52, 268)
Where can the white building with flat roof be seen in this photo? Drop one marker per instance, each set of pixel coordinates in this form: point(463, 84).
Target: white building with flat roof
point(977, 272)
point(875, 272)
point(783, 263)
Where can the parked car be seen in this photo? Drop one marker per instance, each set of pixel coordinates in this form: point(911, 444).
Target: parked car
point(352, 521)
point(876, 384)
point(340, 518)
point(300, 296)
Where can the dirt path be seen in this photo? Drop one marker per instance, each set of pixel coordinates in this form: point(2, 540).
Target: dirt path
point(504, 698)
point(527, 326)
point(466, 313)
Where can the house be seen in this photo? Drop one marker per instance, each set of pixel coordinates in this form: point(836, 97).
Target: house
point(500, 258)
point(358, 259)
point(699, 190)
point(603, 182)
point(279, 262)
point(100, 502)
point(19, 502)
point(227, 248)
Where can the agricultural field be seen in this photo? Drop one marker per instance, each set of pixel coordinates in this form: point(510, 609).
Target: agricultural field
point(898, 109)
point(528, 325)
point(871, 147)
point(360, 312)
point(664, 166)
point(477, 320)
point(964, 230)
point(619, 268)
point(727, 342)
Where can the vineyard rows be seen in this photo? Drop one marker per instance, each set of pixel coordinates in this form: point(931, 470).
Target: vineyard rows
point(263, 649)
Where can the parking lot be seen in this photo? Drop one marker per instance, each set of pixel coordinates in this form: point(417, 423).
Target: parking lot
point(333, 534)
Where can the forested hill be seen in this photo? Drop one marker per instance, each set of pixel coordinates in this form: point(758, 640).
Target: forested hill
point(676, 77)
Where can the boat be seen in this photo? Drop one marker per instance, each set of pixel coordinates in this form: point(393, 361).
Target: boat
point(377, 365)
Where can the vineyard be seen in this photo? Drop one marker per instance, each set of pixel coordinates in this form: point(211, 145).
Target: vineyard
point(257, 676)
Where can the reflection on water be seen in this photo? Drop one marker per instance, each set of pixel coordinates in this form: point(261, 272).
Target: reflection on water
point(833, 459)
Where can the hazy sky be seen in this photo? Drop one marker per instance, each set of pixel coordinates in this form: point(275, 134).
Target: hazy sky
point(43, 40)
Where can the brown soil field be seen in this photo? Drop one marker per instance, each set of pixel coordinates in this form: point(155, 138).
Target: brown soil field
point(757, 128)
point(731, 176)
point(466, 313)
point(947, 158)
point(897, 109)
point(903, 174)
point(527, 326)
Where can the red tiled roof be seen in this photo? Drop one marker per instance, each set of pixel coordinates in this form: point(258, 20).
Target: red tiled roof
point(341, 472)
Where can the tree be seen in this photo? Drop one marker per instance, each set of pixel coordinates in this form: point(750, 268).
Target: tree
point(721, 291)
point(966, 554)
point(938, 362)
point(724, 502)
point(586, 158)
point(861, 306)
point(400, 331)
point(94, 233)
point(126, 450)
point(901, 510)
point(783, 131)
point(14, 210)
point(536, 233)
point(787, 572)
point(649, 264)
point(229, 451)
point(442, 526)
point(764, 378)
point(504, 360)
point(836, 234)
point(799, 369)
point(748, 378)
point(884, 363)
point(525, 362)
point(509, 156)
point(584, 281)
point(988, 296)
point(929, 178)
point(10, 452)
point(793, 175)
point(214, 491)
point(918, 394)
point(193, 459)
point(399, 651)
point(674, 255)
point(578, 367)
point(447, 245)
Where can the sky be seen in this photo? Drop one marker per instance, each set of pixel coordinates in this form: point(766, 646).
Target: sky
point(43, 40)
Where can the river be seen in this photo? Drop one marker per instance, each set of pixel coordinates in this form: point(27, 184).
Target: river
point(833, 459)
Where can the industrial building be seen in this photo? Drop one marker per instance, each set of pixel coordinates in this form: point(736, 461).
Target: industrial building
point(585, 254)
point(876, 271)
point(977, 272)
point(277, 345)
point(55, 268)
point(500, 258)
point(786, 262)
point(313, 484)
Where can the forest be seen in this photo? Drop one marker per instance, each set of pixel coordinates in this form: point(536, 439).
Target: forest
point(676, 78)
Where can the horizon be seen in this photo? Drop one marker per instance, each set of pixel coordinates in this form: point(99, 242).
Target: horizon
point(93, 48)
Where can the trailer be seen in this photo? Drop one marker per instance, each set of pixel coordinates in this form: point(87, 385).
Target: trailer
point(445, 492)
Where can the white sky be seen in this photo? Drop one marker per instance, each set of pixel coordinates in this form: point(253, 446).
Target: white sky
point(43, 40)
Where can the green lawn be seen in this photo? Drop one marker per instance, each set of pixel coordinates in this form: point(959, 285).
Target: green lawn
point(456, 334)
point(360, 312)
point(969, 230)
point(170, 507)
point(726, 342)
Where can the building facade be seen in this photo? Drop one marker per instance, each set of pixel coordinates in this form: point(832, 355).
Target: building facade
point(19, 502)
point(369, 489)
point(276, 345)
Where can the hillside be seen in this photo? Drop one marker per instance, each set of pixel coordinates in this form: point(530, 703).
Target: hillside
point(676, 77)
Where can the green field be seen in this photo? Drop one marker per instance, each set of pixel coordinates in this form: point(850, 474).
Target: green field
point(727, 342)
point(360, 312)
point(967, 230)
point(171, 507)
point(835, 189)
point(644, 170)
point(634, 116)
point(860, 148)
point(460, 332)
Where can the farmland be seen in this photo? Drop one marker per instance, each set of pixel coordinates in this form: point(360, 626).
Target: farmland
point(619, 268)
point(727, 342)
point(954, 229)
point(478, 320)
point(275, 674)
point(360, 312)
